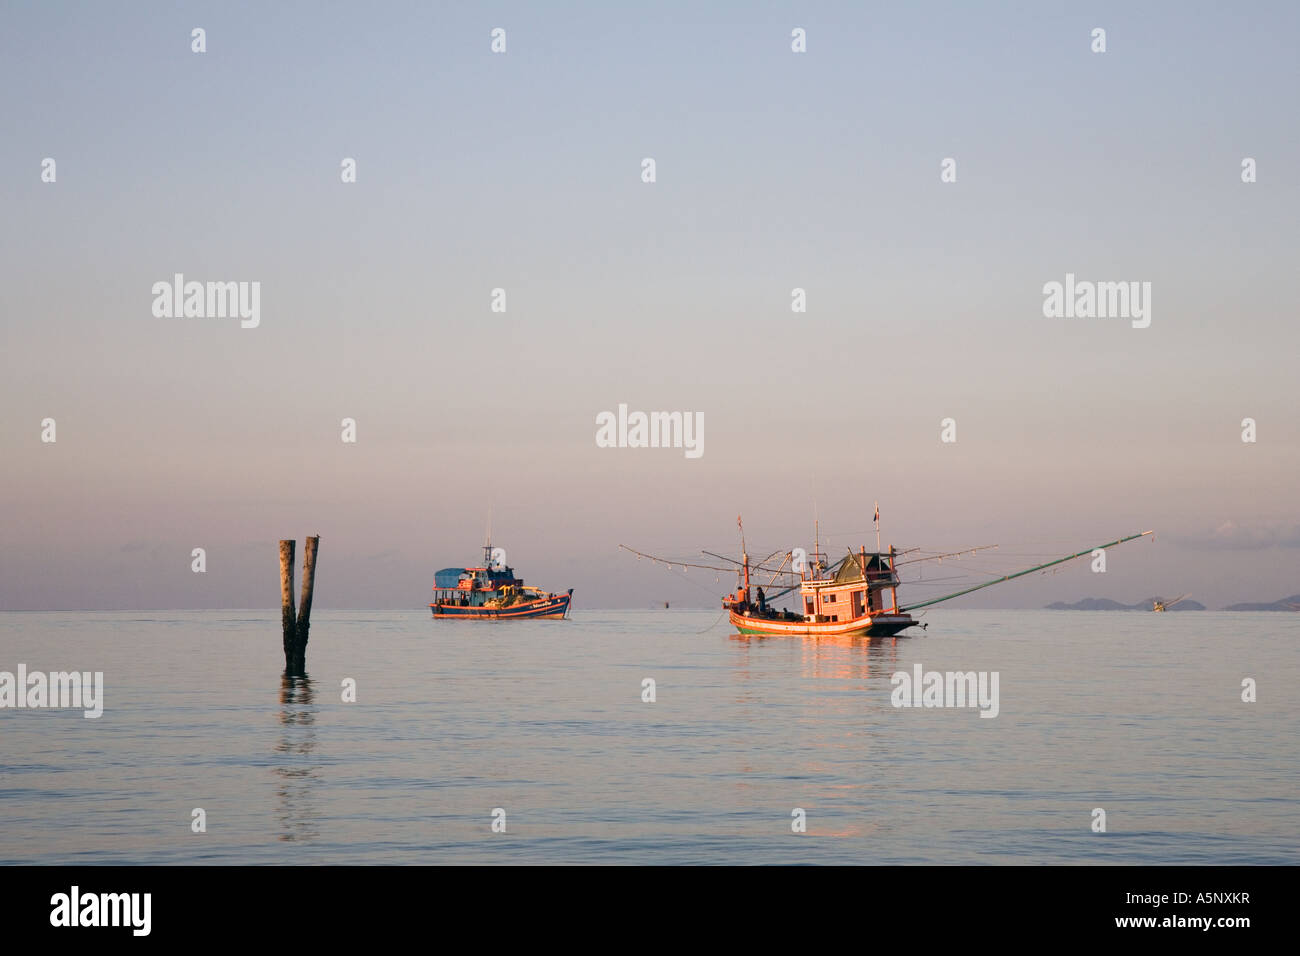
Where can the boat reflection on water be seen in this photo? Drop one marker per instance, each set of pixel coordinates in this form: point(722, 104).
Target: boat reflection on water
point(295, 766)
point(836, 657)
point(823, 772)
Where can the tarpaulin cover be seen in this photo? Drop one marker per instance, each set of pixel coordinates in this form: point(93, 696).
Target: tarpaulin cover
point(447, 577)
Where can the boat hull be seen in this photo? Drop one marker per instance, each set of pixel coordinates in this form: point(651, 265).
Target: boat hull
point(879, 625)
point(553, 608)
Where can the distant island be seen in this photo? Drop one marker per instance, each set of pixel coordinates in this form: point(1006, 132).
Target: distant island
point(1106, 604)
point(1291, 603)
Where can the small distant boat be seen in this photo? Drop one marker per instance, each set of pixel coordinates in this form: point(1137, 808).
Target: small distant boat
point(493, 593)
point(1159, 605)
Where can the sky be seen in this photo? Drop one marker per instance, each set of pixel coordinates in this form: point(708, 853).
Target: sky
point(523, 171)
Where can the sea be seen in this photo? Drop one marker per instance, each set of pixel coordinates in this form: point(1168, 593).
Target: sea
point(655, 737)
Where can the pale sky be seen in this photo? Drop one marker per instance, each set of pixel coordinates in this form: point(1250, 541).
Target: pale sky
point(522, 171)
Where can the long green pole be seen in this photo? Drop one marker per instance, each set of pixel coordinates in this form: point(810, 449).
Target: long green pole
point(1020, 574)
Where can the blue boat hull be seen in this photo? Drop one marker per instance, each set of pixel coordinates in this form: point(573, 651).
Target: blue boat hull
point(556, 607)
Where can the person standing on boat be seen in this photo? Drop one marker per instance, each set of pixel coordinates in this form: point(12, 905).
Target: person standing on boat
point(762, 600)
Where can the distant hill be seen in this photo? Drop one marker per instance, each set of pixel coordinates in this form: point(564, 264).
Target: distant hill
point(1106, 604)
point(1275, 606)
point(1089, 604)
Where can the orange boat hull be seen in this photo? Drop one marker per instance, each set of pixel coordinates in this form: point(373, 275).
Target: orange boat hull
point(875, 625)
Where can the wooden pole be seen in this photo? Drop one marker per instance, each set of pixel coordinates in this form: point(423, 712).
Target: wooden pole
point(287, 622)
point(304, 609)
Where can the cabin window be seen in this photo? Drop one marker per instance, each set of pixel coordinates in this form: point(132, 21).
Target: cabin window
point(830, 599)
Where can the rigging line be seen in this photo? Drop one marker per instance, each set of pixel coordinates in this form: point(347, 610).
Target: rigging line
point(722, 557)
point(1020, 574)
point(692, 581)
point(689, 580)
point(779, 571)
point(761, 565)
point(971, 570)
point(950, 554)
point(714, 624)
point(690, 564)
point(681, 564)
point(1028, 555)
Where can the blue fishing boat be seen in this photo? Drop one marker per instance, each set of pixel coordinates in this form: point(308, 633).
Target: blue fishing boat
point(493, 593)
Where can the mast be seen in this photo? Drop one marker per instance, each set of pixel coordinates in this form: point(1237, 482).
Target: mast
point(891, 547)
point(744, 554)
point(866, 581)
point(1020, 574)
point(893, 580)
point(814, 570)
point(817, 540)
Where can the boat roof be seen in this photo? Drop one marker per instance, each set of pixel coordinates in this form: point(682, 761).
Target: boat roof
point(850, 569)
point(848, 572)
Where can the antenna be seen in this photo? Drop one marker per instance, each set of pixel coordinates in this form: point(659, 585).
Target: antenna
point(744, 554)
point(818, 565)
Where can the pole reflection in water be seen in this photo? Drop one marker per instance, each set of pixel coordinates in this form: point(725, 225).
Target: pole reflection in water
point(294, 762)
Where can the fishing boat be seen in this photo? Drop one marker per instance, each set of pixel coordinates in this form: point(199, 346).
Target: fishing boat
point(493, 593)
point(1159, 605)
point(845, 600)
point(855, 596)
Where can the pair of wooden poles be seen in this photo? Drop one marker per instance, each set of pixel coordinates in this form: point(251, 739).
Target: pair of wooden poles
point(296, 628)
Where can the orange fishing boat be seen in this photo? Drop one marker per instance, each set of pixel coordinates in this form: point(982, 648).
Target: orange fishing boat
point(858, 596)
point(855, 596)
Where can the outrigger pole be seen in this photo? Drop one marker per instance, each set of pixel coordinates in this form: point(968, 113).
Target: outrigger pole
point(1020, 574)
point(707, 567)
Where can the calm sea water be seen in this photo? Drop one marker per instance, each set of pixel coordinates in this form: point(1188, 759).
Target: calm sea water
point(1139, 714)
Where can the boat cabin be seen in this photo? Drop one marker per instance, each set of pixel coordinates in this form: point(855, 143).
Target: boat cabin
point(472, 587)
point(856, 588)
point(852, 588)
